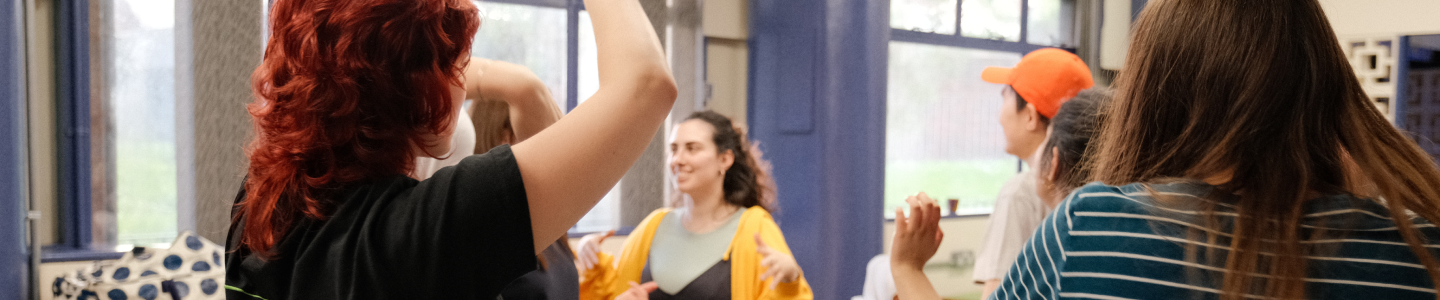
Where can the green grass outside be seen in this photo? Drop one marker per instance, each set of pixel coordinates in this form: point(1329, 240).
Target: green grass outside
point(974, 182)
point(145, 184)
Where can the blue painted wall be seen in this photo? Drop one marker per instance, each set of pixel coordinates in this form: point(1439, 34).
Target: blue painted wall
point(817, 106)
point(13, 267)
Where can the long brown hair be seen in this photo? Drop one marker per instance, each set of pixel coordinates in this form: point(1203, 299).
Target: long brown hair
point(1259, 96)
point(492, 123)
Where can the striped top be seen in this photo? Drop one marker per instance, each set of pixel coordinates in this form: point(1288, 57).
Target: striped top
point(1107, 242)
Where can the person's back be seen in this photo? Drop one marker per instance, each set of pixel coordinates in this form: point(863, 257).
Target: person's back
point(1109, 241)
point(1235, 162)
point(343, 107)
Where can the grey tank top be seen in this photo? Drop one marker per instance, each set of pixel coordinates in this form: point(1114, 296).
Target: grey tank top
point(679, 257)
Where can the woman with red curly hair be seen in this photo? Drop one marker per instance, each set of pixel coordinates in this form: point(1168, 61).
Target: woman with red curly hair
point(351, 91)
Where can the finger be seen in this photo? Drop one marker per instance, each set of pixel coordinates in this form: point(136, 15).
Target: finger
point(607, 234)
point(761, 247)
point(939, 236)
point(924, 220)
point(917, 211)
point(900, 228)
point(913, 202)
point(924, 198)
point(769, 262)
point(649, 287)
point(769, 274)
point(934, 207)
point(919, 218)
point(773, 282)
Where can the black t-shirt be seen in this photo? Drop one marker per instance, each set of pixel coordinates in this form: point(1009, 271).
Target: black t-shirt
point(559, 280)
point(462, 234)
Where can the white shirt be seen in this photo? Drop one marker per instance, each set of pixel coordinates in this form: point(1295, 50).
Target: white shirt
point(1018, 212)
point(462, 144)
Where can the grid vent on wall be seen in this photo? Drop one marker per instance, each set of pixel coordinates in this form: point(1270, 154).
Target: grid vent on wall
point(1375, 61)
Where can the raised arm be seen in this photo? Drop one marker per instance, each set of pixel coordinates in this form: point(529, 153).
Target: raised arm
point(532, 108)
point(569, 166)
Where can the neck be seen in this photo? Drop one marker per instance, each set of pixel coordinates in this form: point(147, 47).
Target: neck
point(710, 204)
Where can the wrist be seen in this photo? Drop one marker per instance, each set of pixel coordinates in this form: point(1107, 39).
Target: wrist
point(907, 266)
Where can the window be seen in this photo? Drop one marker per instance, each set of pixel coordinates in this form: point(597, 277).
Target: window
point(133, 130)
point(943, 136)
point(535, 34)
point(937, 16)
point(990, 19)
point(942, 128)
point(532, 36)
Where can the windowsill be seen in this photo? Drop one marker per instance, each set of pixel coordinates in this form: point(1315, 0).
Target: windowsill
point(891, 219)
point(60, 253)
point(623, 230)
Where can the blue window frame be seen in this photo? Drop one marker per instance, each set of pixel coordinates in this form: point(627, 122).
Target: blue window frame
point(13, 253)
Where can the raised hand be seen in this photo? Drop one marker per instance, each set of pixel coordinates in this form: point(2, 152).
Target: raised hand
point(588, 255)
point(917, 237)
point(778, 265)
point(916, 240)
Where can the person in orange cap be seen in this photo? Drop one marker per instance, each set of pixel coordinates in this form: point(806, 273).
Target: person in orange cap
point(1033, 92)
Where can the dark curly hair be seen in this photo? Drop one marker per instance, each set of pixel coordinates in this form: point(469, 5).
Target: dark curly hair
point(747, 182)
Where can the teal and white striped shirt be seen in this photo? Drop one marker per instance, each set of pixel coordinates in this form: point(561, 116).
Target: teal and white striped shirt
point(1107, 242)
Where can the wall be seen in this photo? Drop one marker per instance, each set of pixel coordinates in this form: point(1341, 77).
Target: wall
point(963, 236)
point(1383, 17)
point(727, 28)
point(817, 102)
point(43, 140)
point(218, 45)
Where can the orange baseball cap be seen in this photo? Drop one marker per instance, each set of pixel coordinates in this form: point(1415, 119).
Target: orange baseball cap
point(1045, 78)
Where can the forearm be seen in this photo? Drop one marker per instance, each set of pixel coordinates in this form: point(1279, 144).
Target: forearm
point(530, 106)
point(532, 110)
point(989, 288)
point(911, 284)
point(569, 166)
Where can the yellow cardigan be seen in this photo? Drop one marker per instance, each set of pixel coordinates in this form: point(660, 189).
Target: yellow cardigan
point(608, 280)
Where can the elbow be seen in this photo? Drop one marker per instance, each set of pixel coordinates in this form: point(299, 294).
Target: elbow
point(660, 87)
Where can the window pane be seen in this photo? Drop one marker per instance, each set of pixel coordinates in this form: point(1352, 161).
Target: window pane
point(589, 68)
point(1051, 22)
point(990, 19)
point(606, 214)
point(531, 36)
point(936, 16)
point(140, 89)
point(942, 127)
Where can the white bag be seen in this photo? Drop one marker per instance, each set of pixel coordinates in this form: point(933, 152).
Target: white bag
point(193, 268)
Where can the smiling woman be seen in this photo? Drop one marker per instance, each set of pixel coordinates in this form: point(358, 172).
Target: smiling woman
point(717, 239)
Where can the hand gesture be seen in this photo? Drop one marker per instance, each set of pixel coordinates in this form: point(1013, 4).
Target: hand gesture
point(588, 255)
point(778, 265)
point(917, 237)
point(638, 291)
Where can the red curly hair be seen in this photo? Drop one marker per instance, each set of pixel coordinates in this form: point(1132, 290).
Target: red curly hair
point(346, 90)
